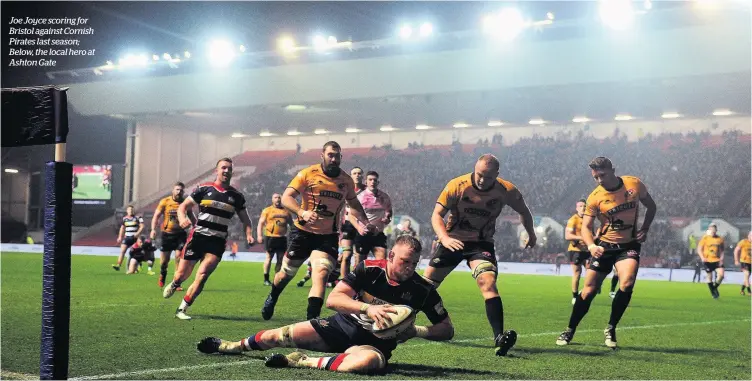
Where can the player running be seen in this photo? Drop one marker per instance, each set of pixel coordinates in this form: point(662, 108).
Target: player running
point(710, 250)
point(473, 202)
point(323, 189)
point(130, 228)
point(615, 202)
point(579, 255)
point(142, 251)
point(378, 207)
point(363, 297)
point(173, 236)
point(218, 202)
point(273, 224)
point(742, 257)
point(348, 230)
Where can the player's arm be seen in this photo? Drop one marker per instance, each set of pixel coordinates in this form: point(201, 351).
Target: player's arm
point(140, 226)
point(650, 209)
point(701, 249)
point(342, 300)
point(259, 227)
point(447, 200)
point(519, 205)
point(185, 206)
point(291, 204)
point(442, 328)
point(357, 214)
point(721, 248)
point(120, 233)
point(155, 219)
point(247, 223)
point(569, 232)
point(737, 252)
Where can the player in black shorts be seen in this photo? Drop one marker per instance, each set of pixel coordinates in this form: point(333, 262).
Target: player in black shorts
point(361, 298)
point(141, 251)
point(348, 230)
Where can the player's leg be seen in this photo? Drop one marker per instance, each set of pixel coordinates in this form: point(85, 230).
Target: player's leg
point(719, 272)
point(379, 246)
point(441, 264)
point(574, 262)
point(184, 270)
point(485, 273)
point(297, 253)
point(164, 262)
point(298, 335)
point(614, 283)
point(123, 249)
point(307, 275)
point(132, 266)
point(267, 265)
point(627, 269)
point(346, 246)
point(359, 252)
point(206, 268)
point(279, 254)
point(322, 264)
point(594, 277)
point(150, 264)
point(709, 271)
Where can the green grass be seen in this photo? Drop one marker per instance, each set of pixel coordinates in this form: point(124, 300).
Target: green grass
point(122, 324)
point(90, 188)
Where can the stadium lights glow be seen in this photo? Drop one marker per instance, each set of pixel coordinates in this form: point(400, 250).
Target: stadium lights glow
point(294, 133)
point(617, 14)
point(670, 115)
point(504, 25)
point(320, 131)
point(109, 63)
point(295, 108)
point(155, 57)
point(321, 44)
point(580, 119)
point(351, 130)
point(550, 15)
point(238, 135)
point(722, 112)
point(405, 32)
point(423, 127)
point(537, 122)
point(460, 125)
point(132, 60)
point(495, 123)
point(387, 128)
point(242, 48)
point(11, 170)
point(648, 5)
point(425, 30)
point(286, 45)
point(265, 134)
point(221, 53)
point(187, 54)
point(167, 56)
point(623, 117)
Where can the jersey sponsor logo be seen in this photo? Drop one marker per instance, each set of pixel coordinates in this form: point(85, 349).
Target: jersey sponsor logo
point(621, 208)
point(629, 193)
point(341, 186)
point(632, 254)
point(407, 296)
point(230, 199)
point(477, 212)
point(330, 194)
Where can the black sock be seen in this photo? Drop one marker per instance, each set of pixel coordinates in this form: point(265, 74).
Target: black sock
point(748, 289)
point(619, 305)
point(710, 286)
point(314, 307)
point(742, 288)
point(614, 283)
point(574, 294)
point(581, 307)
point(266, 277)
point(495, 314)
point(277, 289)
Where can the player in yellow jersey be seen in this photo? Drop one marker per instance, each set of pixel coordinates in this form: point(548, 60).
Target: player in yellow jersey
point(272, 232)
point(579, 255)
point(173, 236)
point(615, 202)
point(324, 189)
point(473, 202)
point(710, 250)
point(743, 257)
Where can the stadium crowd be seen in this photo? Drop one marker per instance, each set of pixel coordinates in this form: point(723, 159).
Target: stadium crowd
point(687, 175)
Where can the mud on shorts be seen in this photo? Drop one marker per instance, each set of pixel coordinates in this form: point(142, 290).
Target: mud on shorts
point(339, 332)
point(615, 252)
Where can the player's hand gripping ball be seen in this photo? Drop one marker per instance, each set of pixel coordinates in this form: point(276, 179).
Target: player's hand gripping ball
point(401, 320)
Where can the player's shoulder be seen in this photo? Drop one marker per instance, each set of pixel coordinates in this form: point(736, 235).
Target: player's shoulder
point(420, 283)
point(574, 217)
point(460, 182)
point(505, 185)
point(311, 170)
point(631, 181)
point(597, 193)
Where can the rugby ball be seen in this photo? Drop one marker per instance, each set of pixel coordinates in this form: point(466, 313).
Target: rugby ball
point(401, 320)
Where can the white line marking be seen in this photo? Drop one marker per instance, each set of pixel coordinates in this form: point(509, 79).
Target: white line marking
point(408, 345)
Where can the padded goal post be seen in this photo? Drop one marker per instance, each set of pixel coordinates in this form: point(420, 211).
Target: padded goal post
point(39, 116)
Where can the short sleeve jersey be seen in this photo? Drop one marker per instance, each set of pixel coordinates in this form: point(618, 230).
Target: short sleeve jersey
point(216, 206)
point(617, 210)
point(574, 226)
point(473, 212)
point(712, 246)
point(169, 209)
point(324, 195)
point(277, 220)
point(744, 251)
point(370, 282)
